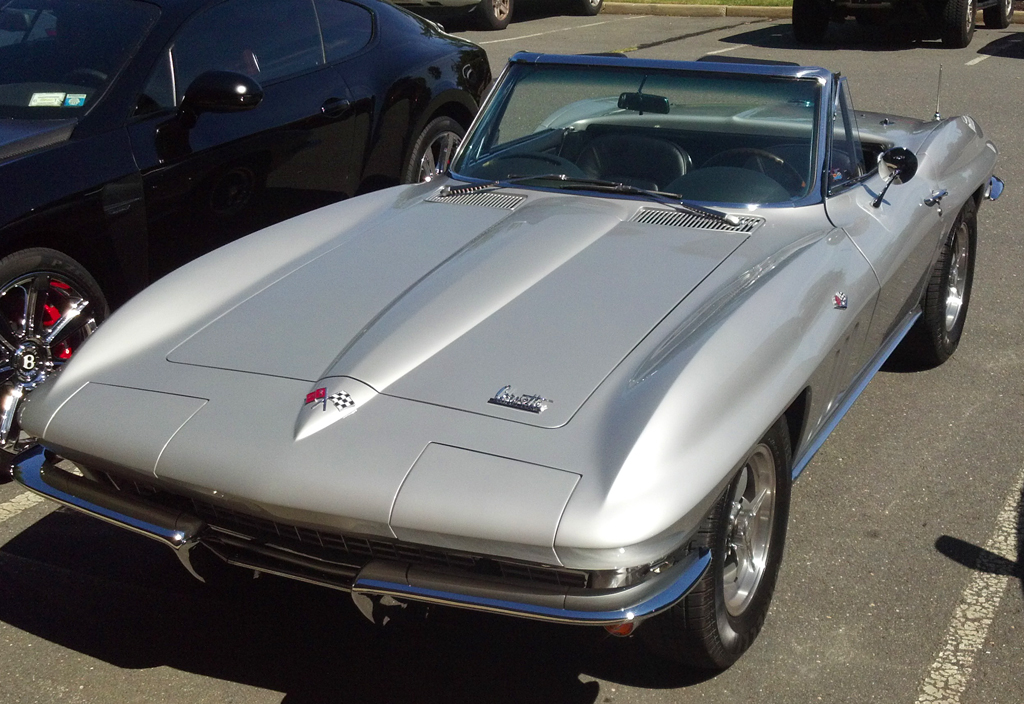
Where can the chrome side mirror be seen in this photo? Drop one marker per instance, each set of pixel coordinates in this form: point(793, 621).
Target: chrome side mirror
point(897, 165)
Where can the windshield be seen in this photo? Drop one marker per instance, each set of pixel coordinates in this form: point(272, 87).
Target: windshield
point(57, 56)
point(717, 138)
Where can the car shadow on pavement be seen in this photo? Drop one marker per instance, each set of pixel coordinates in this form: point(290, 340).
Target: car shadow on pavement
point(846, 35)
point(1007, 46)
point(126, 600)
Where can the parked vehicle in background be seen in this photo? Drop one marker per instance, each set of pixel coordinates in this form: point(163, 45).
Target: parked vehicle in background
point(494, 14)
point(951, 20)
point(571, 380)
point(135, 136)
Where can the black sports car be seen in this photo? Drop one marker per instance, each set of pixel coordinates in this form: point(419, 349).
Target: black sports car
point(136, 135)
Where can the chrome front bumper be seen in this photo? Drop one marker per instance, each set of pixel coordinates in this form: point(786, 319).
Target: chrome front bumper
point(182, 532)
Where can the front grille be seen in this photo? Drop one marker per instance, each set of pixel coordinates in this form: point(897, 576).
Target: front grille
point(355, 550)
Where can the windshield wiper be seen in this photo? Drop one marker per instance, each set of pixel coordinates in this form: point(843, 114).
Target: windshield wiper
point(567, 182)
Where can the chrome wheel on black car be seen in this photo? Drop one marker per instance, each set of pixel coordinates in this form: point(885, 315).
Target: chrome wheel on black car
point(49, 304)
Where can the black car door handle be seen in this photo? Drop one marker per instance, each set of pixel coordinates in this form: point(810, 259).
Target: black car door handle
point(335, 107)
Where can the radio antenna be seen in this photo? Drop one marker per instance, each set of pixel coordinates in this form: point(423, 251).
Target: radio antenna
point(938, 95)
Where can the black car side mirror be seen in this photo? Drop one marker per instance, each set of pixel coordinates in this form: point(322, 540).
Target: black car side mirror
point(219, 91)
point(897, 165)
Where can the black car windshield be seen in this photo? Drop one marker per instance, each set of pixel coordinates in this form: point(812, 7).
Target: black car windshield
point(699, 135)
point(57, 56)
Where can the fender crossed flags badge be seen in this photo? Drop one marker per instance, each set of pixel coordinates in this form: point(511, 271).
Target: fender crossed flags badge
point(341, 400)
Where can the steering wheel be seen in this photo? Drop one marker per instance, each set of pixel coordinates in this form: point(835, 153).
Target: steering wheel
point(85, 77)
point(771, 165)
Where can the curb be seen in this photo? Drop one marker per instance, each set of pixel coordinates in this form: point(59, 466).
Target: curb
point(679, 10)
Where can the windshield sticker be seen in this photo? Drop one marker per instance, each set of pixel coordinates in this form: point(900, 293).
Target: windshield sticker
point(75, 100)
point(46, 100)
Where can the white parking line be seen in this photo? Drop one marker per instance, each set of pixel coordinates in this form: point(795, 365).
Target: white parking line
point(563, 29)
point(10, 509)
point(978, 60)
point(950, 673)
point(722, 51)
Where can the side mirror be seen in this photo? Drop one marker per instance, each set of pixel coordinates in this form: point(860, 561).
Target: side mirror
point(219, 91)
point(896, 165)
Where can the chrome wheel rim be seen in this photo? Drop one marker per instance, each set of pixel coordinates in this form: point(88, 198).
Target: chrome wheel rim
point(43, 320)
point(748, 530)
point(438, 154)
point(959, 264)
point(970, 16)
point(500, 8)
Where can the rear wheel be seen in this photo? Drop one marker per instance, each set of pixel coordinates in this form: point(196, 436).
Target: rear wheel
point(588, 8)
point(494, 14)
point(810, 20)
point(998, 17)
point(433, 149)
point(957, 23)
point(745, 531)
point(936, 335)
point(49, 304)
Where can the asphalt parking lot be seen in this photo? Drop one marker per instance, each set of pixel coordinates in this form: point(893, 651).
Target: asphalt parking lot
point(901, 583)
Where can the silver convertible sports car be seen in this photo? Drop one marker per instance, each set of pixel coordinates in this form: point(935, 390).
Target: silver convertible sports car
point(572, 379)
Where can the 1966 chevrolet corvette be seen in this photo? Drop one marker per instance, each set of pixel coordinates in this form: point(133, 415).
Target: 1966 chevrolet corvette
point(572, 379)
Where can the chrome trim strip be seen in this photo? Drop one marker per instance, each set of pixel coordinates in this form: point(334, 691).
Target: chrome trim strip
point(800, 463)
point(682, 578)
point(176, 529)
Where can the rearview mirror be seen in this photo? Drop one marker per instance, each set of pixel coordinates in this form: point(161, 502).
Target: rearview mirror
point(644, 102)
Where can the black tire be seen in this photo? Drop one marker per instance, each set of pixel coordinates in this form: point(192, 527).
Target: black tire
point(957, 23)
point(39, 289)
point(810, 20)
point(494, 14)
point(718, 621)
point(936, 335)
point(433, 149)
point(1000, 16)
point(587, 8)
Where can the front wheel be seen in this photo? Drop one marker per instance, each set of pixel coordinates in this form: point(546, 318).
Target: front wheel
point(494, 14)
point(810, 20)
point(49, 304)
point(957, 23)
point(433, 149)
point(999, 16)
point(936, 335)
point(745, 531)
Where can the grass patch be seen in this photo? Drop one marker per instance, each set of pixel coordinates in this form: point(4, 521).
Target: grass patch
point(757, 3)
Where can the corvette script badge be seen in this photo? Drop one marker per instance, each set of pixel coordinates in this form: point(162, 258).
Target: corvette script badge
point(523, 402)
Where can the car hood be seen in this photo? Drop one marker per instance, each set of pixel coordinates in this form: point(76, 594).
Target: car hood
point(493, 310)
point(21, 136)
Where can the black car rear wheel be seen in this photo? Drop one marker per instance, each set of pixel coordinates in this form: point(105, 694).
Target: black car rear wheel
point(999, 16)
point(49, 304)
point(745, 531)
point(433, 149)
point(587, 8)
point(957, 23)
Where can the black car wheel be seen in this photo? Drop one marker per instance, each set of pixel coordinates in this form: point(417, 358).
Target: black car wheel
point(494, 14)
point(810, 20)
point(998, 17)
point(745, 531)
point(957, 23)
point(936, 335)
point(433, 149)
point(588, 8)
point(49, 304)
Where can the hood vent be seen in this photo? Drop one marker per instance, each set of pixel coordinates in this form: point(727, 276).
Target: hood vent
point(675, 218)
point(484, 200)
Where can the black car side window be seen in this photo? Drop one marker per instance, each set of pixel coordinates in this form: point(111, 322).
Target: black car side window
point(250, 38)
point(346, 28)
